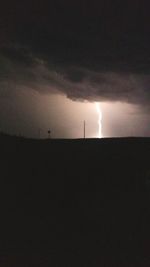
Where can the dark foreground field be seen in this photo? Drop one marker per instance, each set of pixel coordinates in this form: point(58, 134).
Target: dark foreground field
point(74, 203)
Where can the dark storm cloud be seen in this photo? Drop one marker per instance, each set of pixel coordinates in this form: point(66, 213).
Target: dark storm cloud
point(88, 51)
point(19, 68)
point(106, 35)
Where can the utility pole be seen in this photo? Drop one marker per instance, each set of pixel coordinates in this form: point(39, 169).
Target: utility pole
point(84, 129)
point(49, 134)
point(39, 133)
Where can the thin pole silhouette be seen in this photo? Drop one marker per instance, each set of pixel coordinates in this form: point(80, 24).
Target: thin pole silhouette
point(39, 133)
point(49, 134)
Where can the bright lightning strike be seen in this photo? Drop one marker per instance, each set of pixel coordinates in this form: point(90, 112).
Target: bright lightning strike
point(99, 120)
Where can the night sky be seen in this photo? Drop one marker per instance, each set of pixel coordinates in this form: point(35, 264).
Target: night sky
point(59, 58)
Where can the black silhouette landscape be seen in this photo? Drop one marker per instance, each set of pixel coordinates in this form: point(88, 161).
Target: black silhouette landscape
point(74, 202)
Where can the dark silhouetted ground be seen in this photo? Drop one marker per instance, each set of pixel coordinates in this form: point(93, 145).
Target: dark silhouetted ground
point(74, 202)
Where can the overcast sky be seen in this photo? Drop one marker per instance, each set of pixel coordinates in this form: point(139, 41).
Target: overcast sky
point(57, 58)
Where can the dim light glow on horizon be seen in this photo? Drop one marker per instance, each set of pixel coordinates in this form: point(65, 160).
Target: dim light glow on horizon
point(64, 117)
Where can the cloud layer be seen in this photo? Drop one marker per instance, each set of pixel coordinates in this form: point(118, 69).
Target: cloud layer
point(20, 68)
point(94, 51)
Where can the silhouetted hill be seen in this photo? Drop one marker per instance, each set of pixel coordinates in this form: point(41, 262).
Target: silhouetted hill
point(74, 202)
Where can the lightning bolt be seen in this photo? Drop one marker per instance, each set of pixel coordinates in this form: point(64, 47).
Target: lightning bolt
point(99, 119)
